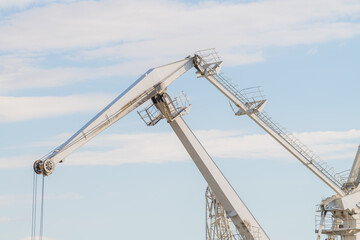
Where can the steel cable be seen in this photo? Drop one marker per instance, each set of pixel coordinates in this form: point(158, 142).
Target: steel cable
point(42, 210)
point(34, 208)
point(33, 215)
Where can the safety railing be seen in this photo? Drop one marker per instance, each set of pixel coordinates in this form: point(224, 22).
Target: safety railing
point(301, 148)
point(209, 55)
point(296, 144)
point(253, 94)
point(151, 115)
point(332, 224)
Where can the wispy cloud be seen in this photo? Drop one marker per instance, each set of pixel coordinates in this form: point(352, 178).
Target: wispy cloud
point(135, 148)
point(66, 196)
point(25, 108)
point(10, 199)
point(22, 4)
point(312, 51)
point(133, 35)
point(15, 199)
point(138, 148)
point(117, 149)
point(141, 23)
point(6, 220)
point(16, 162)
point(37, 237)
point(20, 71)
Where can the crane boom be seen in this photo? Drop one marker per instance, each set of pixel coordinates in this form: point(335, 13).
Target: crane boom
point(139, 92)
point(234, 207)
point(207, 69)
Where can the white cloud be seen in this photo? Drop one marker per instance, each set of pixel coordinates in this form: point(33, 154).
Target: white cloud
point(6, 219)
point(16, 162)
point(25, 108)
point(20, 71)
point(312, 51)
point(136, 35)
point(16, 199)
point(328, 136)
point(11, 5)
point(37, 237)
point(66, 196)
point(10, 199)
point(19, 4)
point(135, 148)
point(158, 27)
point(117, 149)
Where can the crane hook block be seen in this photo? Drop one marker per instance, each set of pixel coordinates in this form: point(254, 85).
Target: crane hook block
point(44, 167)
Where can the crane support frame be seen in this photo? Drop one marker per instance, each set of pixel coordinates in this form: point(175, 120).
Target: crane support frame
point(218, 225)
point(235, 208)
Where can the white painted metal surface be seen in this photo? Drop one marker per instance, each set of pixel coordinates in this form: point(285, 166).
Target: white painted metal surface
point(240, 215)
point(343, 207)
point(354, 176)
point(152, 85)
point(138, 93)
point(238, 99)
point(235, 208)
point(340, 214)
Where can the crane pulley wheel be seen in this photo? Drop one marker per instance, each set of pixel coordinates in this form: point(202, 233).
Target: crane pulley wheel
point(44, 167)
point(38, 166)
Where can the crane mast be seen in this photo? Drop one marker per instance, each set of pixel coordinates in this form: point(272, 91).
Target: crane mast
point(233, 206)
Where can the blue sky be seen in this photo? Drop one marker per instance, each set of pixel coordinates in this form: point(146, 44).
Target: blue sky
point(61, 62)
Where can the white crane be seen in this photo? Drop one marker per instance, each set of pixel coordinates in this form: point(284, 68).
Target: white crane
point(343, 219)
point(339, 214)
point(153, 85)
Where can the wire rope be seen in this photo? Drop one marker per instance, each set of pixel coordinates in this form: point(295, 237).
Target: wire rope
point(42, 210)
point(33, 215)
